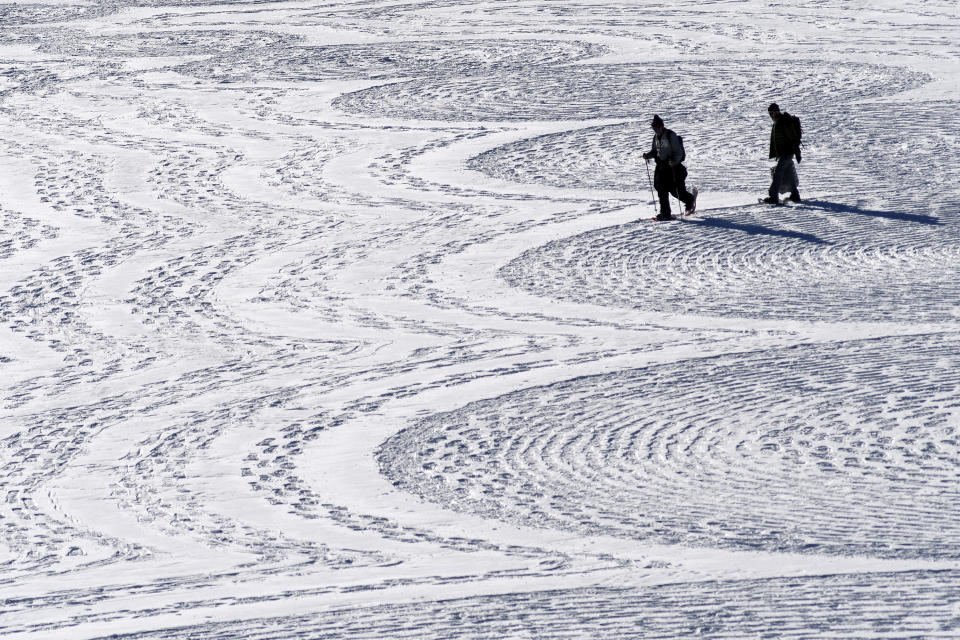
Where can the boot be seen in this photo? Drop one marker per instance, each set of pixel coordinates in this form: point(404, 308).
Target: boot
point(692, 205)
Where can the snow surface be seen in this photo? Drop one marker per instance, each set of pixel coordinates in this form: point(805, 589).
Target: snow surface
point(344, 319)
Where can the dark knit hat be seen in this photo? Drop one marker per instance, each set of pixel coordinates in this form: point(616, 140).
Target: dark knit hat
point(657, 122)
point(774, 108)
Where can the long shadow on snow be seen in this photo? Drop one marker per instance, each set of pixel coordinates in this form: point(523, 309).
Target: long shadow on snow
point(756, 229)
point(836, 207)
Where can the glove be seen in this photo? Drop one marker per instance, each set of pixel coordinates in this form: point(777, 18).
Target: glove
point(798, 155)
point(647, 155)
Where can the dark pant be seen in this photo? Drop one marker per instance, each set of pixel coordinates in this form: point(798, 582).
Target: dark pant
point(669, 181)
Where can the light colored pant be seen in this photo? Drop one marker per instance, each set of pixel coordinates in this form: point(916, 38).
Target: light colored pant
point(785, 178)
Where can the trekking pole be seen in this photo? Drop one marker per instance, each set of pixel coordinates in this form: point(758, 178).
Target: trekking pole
point(652, 195)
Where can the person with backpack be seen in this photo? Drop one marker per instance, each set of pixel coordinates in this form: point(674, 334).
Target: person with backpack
point(785, 140)
point(670, 174)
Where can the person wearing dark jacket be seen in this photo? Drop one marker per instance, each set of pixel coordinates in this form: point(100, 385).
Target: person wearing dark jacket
point(784, 145)
point(670, 174)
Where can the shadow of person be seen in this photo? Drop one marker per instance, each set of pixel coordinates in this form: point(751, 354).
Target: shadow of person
point(836, 207)
point(756, 229)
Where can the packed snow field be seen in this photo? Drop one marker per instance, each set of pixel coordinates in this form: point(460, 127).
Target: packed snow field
point(346, 319)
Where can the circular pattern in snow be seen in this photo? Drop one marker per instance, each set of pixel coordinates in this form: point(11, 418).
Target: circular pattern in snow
point(909, 604)
point(756, 262)
point(246, 4)
point(899, 152)
point(16, 14)
point(891, 256)
point(712, 29)
point(587, 92)
point(163, 43)
point(386, 60)
point(838, 449)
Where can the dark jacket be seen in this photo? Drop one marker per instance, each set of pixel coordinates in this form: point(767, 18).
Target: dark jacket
point(783, 137)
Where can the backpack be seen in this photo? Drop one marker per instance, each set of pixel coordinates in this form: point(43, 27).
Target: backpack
point(796, 130)
point(683, 154)
point(676, 136)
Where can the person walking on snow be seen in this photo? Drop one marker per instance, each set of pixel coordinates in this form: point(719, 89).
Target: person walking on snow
point(784, 144)
point(670, 174)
